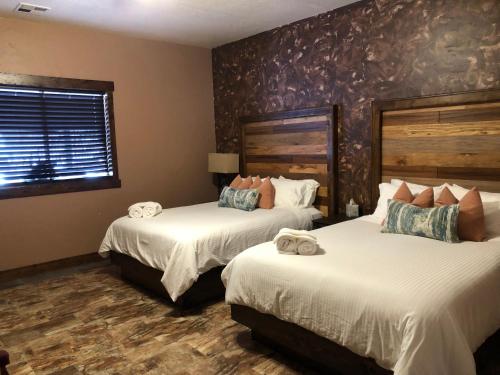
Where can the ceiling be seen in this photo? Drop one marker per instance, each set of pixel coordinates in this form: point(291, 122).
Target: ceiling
point(204, 23)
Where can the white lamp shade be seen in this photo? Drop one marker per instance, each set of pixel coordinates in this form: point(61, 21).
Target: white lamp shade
point(223, 163)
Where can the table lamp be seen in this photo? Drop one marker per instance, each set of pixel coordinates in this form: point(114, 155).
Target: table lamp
point(225, 167)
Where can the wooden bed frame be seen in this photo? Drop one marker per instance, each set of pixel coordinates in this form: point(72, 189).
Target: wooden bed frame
point(4, 361)
point(454, 138)
point(296, 144)
point(207, 288)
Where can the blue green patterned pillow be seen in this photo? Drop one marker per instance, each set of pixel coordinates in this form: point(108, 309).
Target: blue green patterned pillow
point(242, 199)
point(439, 223)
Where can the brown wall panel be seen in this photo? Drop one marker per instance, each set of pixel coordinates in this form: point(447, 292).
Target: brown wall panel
point(444, 159)
point(280, 139)
point(465, 129)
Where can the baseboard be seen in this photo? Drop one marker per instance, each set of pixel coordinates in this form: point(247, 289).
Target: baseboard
point(34, 269)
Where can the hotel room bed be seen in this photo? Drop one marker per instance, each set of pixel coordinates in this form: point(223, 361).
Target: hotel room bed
point(185, 247)
point(415, 305)
point(185, 242)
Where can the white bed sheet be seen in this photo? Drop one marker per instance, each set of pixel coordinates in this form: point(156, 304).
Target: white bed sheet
point(185, 242)
point(415, 305)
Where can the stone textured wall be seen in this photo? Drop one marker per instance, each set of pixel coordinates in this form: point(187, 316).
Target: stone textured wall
point(374, 49)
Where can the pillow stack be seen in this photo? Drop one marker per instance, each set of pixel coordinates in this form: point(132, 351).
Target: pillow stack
point(279, 192)
point(471, 218)
point(263, 186)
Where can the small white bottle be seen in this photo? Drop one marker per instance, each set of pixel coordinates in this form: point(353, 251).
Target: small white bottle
point(352, 209)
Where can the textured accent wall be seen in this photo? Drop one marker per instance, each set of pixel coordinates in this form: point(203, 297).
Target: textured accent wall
point(377, 49)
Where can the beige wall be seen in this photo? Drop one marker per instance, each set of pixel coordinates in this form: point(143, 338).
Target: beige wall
point(164, 127)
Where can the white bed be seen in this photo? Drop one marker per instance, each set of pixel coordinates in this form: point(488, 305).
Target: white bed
point(185, 242)
point(415, 305)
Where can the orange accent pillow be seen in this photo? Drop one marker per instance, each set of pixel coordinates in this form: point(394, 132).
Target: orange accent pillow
point(256, 183)
point(245, 183)
point(424, 200)
point(267, 194)
point(237, 180)
point(446, 198)
point(471, 225)
point(403, 194)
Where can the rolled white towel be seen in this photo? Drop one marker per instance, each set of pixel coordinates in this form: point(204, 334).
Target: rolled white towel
point(306, 246)
point(292, 241)
point(285, 243)
point(151, 209)
point(298, 233)
point(135, 211)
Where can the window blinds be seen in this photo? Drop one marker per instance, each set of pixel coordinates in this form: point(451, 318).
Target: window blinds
point(48, 135)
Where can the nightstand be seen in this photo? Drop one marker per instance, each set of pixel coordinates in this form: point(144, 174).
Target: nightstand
point(330, 220)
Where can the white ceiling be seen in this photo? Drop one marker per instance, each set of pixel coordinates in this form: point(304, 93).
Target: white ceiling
point(204, 23)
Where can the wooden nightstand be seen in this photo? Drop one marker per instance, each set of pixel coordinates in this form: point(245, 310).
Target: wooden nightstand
point(330, 220)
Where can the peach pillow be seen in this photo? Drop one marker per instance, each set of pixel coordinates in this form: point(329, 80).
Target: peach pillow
point(256, 183)
point(471, 225)
point(446, 198)
point(424, 200)
point(267, 193)
point(237, 180)
point(403, 194)
point(245, 183)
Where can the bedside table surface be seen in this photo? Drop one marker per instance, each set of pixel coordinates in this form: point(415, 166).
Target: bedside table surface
point(330, 220)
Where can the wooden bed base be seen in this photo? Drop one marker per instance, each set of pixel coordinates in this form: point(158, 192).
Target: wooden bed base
point(4, 361)
point(208, 286)
point(329, 357)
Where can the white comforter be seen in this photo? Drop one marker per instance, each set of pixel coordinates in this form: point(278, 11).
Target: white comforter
point(185, 242)
point(415, 305)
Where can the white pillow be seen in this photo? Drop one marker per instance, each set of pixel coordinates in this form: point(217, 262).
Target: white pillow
point(459, 192)
point(491, 208)
point(386, 192)
point(309, 188)
point(286, 194)
point(294, 193)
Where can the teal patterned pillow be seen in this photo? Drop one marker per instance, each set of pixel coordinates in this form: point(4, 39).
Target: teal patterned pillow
point(242, 199)
point(439, 223)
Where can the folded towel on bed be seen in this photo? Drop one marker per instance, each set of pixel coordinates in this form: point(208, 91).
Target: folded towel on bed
point(307, 246)
point(151, 209)
point(135, 211)
point(286, 243)
point(291, 241)
point(144, 209)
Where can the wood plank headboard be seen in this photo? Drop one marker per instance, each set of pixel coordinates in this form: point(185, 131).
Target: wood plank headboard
point(432, 140)
point(296, 144)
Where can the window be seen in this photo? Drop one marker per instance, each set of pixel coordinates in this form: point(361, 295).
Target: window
point(55, 138)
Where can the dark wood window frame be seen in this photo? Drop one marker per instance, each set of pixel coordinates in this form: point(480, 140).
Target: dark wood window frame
point(70, 185)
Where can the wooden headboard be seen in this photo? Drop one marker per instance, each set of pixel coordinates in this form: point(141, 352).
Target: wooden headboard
point(296, 144)
point(432, 140)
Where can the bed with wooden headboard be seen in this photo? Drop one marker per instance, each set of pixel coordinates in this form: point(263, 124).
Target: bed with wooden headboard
point(432, 140)
point(296, 144)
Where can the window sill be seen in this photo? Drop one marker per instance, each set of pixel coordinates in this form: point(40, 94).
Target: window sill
point(59, 187)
